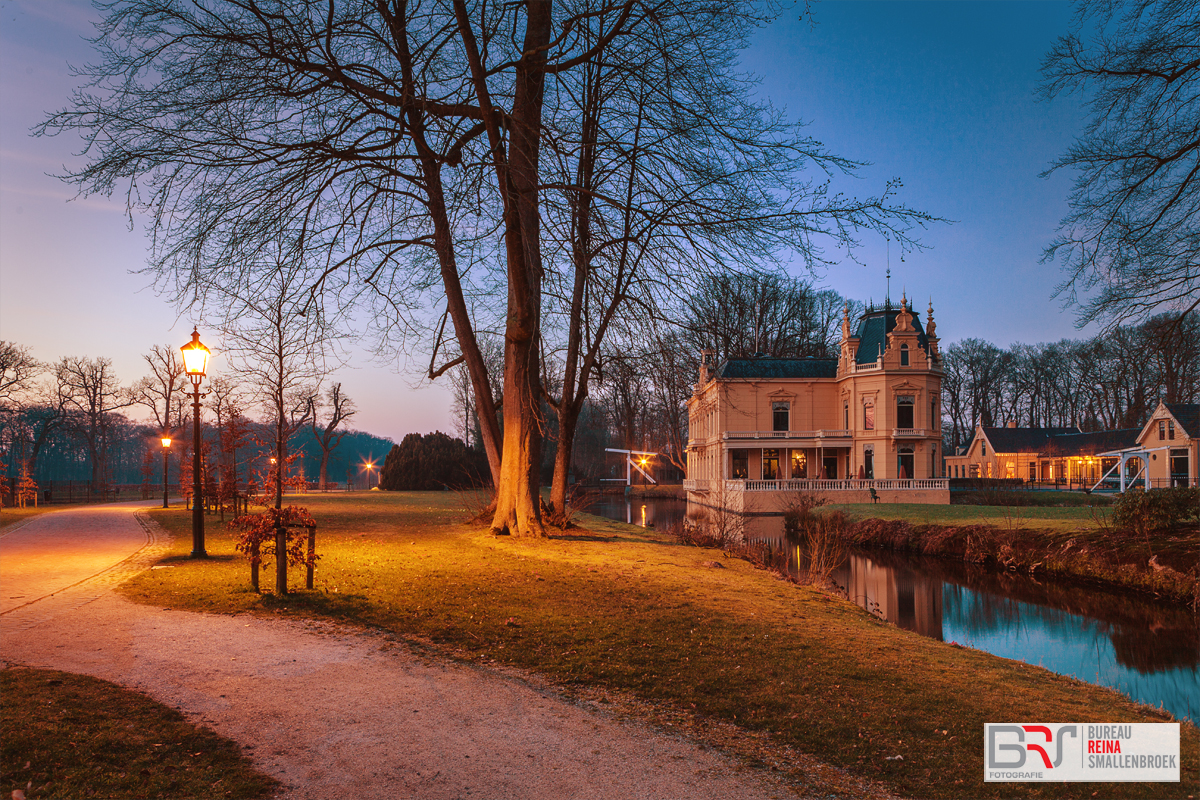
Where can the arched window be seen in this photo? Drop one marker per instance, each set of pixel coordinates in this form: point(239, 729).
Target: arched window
point(904, 355)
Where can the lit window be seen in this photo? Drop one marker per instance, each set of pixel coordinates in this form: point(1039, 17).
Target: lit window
point(741, 464)
point(799, 464)
point(770, 465)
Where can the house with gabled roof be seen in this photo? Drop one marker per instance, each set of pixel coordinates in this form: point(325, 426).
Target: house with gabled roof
point(1057, 456)
point(1166, 451)
point(867, 422)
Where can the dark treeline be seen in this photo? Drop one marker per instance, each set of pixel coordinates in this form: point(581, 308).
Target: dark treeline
point(131, 453)
point(1110, 381)
point(70, 421)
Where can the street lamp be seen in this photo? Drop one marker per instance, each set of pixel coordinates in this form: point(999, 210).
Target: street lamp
point(166, 443)
point(368, 466)
point(195, 364)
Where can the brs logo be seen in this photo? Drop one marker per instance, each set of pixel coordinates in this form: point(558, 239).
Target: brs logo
point(1020, 749)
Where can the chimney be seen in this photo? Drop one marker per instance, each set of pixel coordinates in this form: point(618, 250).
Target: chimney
point(1012, 424)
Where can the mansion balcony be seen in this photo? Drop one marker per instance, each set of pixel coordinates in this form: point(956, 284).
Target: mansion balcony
point(773, 496)
point(776, 437)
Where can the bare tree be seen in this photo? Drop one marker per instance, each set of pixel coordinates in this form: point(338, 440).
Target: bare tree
point(738, 315)
point(1133, 234)
point(233, 430)
point(93, 393)
point(157, 390)
point(18, 369)
point(276, 341)
point(341, 408)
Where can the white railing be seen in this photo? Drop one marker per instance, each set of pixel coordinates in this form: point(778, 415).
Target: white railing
point(821, 434)
point(846, 485)
point(908, 432)
point(874, 365)
point(696, 484)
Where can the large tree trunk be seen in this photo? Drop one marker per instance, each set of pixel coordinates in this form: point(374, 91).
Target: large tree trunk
point(518, 503)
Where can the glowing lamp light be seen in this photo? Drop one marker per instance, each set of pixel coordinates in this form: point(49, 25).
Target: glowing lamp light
point(166, 440)
point(195, 358)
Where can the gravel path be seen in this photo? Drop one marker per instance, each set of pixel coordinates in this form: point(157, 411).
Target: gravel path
point(328, 711)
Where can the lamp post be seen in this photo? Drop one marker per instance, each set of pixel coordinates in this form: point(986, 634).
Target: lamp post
point(368, 466)
point(166, 443)
point(195, 364)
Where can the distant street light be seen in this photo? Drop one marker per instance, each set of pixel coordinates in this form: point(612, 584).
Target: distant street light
point(166, 443)
point(195, 364)
point(368, 466)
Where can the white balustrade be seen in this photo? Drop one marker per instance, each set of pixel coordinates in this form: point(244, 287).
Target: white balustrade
point(837, 433)
point(842, 485)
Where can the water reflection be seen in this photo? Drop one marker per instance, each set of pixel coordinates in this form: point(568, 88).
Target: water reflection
point(648, 512)
point(1148, 651)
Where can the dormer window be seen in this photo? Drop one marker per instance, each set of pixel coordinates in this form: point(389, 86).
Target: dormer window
point(904, 355)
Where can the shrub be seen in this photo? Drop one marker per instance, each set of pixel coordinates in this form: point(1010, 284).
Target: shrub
point(1158, 509)
point(433, 461)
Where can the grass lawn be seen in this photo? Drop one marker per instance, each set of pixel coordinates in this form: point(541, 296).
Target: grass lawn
point(1064, 520)
point(626, 610)
point(72, 736)
point(11, 516)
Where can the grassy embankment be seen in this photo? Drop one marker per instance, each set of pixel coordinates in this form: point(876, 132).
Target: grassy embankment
point(627, 611)
point(72, 736)
point(1073, 542)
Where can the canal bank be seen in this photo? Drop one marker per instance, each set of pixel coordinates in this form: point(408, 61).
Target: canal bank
point(1094, 631)
point(1163, 566)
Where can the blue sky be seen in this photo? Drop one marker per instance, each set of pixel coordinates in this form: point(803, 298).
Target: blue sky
point(941, 95)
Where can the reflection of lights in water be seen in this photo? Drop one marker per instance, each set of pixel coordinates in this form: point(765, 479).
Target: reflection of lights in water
point(643, 515)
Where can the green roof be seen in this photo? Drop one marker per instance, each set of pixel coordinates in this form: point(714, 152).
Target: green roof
point(764, 367)
point(873, 328)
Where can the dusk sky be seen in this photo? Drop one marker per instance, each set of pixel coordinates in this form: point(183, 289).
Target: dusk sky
point(941, 95)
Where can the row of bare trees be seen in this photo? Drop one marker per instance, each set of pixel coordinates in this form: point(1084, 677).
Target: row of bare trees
point(77, 408)
point(1110, 381)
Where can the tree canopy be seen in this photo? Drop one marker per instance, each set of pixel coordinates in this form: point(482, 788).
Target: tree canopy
point(468, 163)
point(1131, 242)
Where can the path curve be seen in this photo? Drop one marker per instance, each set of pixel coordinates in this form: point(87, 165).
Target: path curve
point(330, 712)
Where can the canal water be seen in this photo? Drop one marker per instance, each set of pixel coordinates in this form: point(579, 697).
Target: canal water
point(1148, 651)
